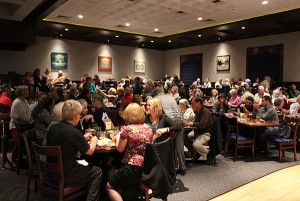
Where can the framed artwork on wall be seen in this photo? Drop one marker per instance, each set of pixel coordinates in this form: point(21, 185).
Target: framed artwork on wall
point(59, 60)
point(105, 63)
point(139, 66)
point(223, 63)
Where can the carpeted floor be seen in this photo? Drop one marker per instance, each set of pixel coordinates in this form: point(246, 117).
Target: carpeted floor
point(202, 182)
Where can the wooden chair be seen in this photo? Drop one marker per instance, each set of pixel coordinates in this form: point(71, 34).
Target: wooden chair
point(234, 137)
point(21, 145)
point(64, 192)
point(33, 173)
point(6, 138)
point(286, 143)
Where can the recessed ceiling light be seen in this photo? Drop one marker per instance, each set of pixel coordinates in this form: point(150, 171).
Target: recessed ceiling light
point(265, 2)
point(170, 41)
point(243, 27)
point(80, 16)
point(127, 24)
point(156, 29)
point(66, 29)
point(107, 40)
point(219, 38)
point(117, 36)
point(60, 35)
point(199, 35)
point(143, 45)
point(152, 41)
point(199, 18)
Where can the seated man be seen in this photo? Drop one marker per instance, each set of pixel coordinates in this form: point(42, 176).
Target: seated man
point(207, 83)
point(267, 113)
point(97, 104)
point(295, 107)
point(246, 94)
point(120, 95)
point(204, 124)
point(260, 94)
point(219, 83)
point(248, 106)
point(197, 82)
point(294, 93)
point(127, 98)
point(5, 100)
point(71, 140)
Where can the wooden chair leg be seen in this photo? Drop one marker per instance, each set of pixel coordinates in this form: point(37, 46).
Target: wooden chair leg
point(295, 153)
point(253, 148)
point(235, 153)
point(268, 147)
point(280, 152)
point(147, 194)
point(226, 149)
point(28, 187)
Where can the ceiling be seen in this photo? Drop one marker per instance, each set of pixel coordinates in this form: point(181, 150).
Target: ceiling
point(104, 21)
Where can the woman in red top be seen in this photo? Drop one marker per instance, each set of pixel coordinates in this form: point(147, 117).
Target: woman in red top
point(132, 139)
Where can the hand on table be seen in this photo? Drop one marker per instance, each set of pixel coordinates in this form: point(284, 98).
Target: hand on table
point(88, 136)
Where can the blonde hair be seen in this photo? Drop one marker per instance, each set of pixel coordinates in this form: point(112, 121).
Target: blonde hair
point(70, 109)
point(120, 89)
point(112, 90)
point(20, 91)
point(156, 102)
point(57, 111)
point(83, 102)
point(133, 114)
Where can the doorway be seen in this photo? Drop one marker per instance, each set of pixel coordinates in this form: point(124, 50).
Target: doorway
point(190, 68)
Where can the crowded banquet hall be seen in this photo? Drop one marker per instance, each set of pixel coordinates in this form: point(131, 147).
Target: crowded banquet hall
point(149, 100)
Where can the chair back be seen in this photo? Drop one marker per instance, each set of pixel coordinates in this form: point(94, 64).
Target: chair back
point(52, 166)
point(293, 122)
point(232, 126)
point(29, 136)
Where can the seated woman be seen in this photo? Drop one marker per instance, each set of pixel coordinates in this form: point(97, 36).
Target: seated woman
point(186, 110)
point(118, 119)
point(19, 114)
point(85, 119)
point(159, 121)
point(235, 100)
point(221, 105)
point(132, 139)
point(41, 117)
point(214, 95)
point(195, 92)
point(111, 94)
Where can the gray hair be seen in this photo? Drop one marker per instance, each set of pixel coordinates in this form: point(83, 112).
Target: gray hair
point(214, 90)
point(83, 102)
point(276, 93)
point(175, 88)
point(278, 101)
point(185, 103)
point(70, 109)
point(158, 90)
point(226, 80)
point(233, 91)
point(57, 111)
point(261, 87)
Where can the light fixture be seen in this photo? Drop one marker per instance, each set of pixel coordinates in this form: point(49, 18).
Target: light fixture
point(80, 16)
point(60, 35)
point(243, 27)
point(107, 40)
point(219, 38)
point(199, 35)
point(117, 36)
point(66, 29)
point(170, 41)
point(152, 41)
point(156, 29)
point(265, 2)
point(127, 24)
point(199, 18)
point(143, 45)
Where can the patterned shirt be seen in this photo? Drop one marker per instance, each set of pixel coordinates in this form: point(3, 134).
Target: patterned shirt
point(136, 135)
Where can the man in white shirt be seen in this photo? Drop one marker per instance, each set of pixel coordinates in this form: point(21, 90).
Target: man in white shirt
point(295, 107)
point(219, 83)
point(207, 84)
point(261, 93)
point(197, 82)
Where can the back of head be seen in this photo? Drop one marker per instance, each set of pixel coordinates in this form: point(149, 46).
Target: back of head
point(5, 86)
point(70, 109)
point(133, 114)
point(278, 101)
point(158, 90)
point(98, 98)
point(57, 112)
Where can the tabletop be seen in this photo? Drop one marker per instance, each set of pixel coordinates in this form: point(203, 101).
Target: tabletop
point(255, 123)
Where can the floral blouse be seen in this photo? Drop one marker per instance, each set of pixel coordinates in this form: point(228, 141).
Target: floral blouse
point(136, 135)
